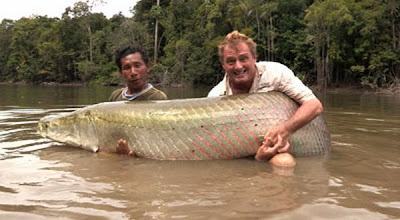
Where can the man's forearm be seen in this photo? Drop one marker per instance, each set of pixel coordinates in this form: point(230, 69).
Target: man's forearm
point(305, 113)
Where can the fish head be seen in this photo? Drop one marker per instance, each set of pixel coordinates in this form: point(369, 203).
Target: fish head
point(74, 128)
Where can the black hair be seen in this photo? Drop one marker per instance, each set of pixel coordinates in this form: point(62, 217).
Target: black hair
point(125, 51)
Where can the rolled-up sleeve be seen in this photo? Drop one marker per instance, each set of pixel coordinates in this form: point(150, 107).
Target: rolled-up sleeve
point(294, 87)
point(282, 79)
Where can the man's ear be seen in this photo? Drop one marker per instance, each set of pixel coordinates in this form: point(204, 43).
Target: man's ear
point(148, 67)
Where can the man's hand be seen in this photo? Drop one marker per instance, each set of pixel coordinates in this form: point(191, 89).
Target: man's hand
point(278, 137)
point(268, 150)
point(122, 148)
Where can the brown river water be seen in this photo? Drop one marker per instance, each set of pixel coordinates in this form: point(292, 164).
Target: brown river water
point(41, 179)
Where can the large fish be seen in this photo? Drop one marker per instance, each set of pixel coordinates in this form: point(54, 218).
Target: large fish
point(186, 129)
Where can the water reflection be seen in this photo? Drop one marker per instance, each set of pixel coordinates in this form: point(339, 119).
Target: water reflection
point(366, 153)
point(41, 186)
point(170, 189)
point(42, 179)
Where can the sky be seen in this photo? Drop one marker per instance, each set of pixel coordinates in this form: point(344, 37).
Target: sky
point(16, 9)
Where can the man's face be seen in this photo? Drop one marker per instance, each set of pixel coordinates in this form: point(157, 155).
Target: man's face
point(135, 72)
point(240, 65)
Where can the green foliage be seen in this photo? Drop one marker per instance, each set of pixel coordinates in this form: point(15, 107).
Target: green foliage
point(155, 11)
point(328, 42)
point(6, 32)
point(159, 75)
point(380, 72)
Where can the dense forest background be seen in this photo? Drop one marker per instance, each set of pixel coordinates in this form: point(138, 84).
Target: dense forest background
point(326, 43)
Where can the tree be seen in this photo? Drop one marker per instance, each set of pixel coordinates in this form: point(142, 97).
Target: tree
point(323, 19)
point(6, 32)
point(156, 11)
point(88, 23)
point(24, 63)
point(324, 41)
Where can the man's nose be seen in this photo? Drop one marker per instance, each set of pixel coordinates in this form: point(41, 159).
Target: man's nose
point(238, 65)
point(133, 70)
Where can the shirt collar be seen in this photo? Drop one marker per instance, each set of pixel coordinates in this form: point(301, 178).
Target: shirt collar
point(133, 96)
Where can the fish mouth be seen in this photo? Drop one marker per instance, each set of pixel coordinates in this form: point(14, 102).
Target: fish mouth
point(42, 127)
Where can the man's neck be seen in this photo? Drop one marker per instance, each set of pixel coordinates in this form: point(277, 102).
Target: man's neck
point(131, 90)
point(240, 90)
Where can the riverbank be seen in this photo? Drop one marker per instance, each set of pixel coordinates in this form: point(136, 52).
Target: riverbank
point(391, 90)
point(394, 89)
point(356, 90)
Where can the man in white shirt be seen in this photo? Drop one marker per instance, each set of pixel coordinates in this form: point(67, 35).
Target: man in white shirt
point(243, 74)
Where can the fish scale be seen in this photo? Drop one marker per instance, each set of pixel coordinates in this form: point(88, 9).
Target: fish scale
point(187, 129)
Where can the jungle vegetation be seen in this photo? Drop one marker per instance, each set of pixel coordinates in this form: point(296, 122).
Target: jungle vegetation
point(326, 43)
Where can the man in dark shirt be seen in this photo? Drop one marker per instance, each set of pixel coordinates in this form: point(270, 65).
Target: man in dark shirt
point(134, 66)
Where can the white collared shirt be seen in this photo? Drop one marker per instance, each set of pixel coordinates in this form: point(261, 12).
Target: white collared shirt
point(271, 76)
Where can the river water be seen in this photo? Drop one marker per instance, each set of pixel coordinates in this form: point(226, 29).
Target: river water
point(41, 179)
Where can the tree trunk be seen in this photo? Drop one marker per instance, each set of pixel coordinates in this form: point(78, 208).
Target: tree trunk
point(328, 66)
point(319, 57)
point(322, 69)
point(268, 42)
point(272, 39)
point(156, 37)
point(90, 44)
point(398, 28)
point(393, 29)
point(258, 26)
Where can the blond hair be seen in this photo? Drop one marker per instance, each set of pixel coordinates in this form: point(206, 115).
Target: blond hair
point(232, 39)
